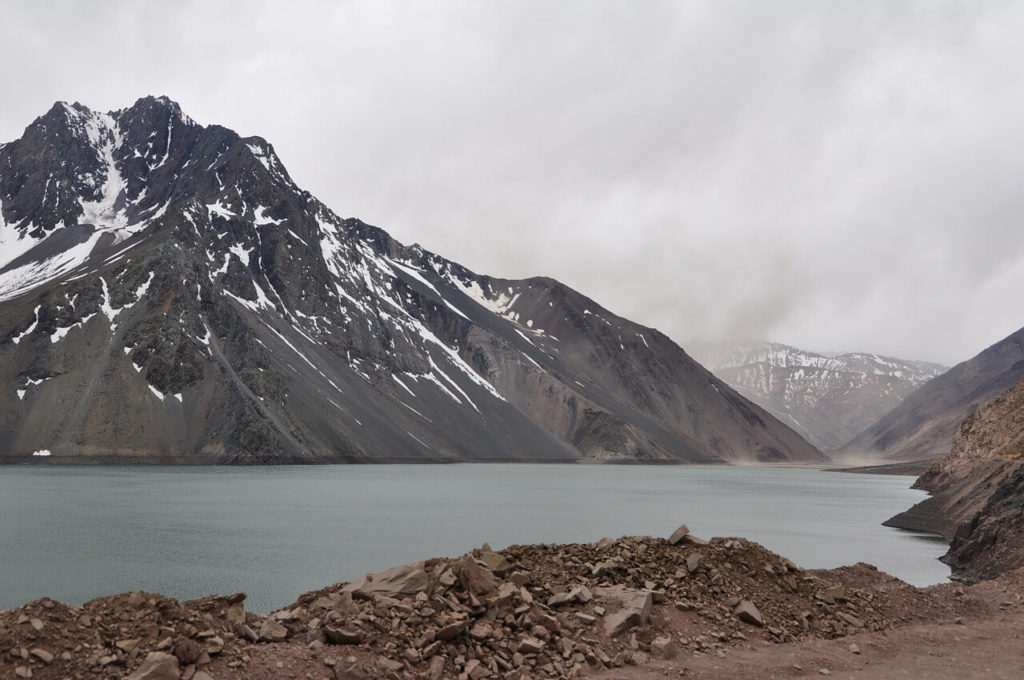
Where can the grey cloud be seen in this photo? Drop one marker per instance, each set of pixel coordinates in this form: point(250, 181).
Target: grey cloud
point(837, 175)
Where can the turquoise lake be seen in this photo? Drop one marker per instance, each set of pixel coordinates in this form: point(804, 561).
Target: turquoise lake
point(74, 533)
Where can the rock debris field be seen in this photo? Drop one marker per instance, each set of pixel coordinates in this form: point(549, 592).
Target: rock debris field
point(628, 608)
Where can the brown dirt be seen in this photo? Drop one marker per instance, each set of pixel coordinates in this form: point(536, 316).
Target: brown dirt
point(811, 619)
point(987, 641)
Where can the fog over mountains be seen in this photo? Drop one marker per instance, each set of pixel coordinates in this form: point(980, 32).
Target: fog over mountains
point(826, 398)
point(167, 293)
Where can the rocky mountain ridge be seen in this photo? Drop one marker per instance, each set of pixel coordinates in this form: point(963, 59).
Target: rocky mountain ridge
point(168, 294)
point(924, 424)
point(826, 398)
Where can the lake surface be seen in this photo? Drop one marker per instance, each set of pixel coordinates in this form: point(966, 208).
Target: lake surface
point(74, 533)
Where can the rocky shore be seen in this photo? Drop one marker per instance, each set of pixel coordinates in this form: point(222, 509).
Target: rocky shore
point(627, 608)
point(977, 500)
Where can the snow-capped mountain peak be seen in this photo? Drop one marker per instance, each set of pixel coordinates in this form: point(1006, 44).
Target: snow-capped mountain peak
point(227, 315)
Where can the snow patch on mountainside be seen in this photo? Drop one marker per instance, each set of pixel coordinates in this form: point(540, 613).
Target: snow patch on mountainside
point(500, 303)
point(14, 282)
point(13, 242)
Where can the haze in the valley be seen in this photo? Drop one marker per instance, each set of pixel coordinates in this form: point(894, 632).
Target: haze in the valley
point(838, 176)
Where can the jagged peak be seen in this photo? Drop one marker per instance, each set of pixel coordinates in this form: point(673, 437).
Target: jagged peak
point(162, 102)
point(60, 114)
point(161, 108)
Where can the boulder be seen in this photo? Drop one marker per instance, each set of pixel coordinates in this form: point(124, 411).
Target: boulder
point(833, 595)
point(157, 666)
point(664, 648)
point(530, 646)
point(538, 618)
point(851, 619)
point(496, 562)
point(475, 670)
point(747, 612)
point(350, 669)
point(606, 568)
point(447, 578)
point(344, 604)
point(559, 599)
point(41, 654)
point(634, 608)
point(337, 635)
point(127, 646)
point(678, 535)
point(395, 582)
point(214, 644)
point(187, 651)
point(475, 578)
point(520, 578)
point(621, 621)
point(481, 631)
point(389, 664)
point(581, 594)
point(236, 613)
point(451, 631)
point(272, 631)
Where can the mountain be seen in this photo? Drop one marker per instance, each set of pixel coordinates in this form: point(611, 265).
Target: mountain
point(978, 492)
point(168, 294)
point(827, 399)
point(923, 426)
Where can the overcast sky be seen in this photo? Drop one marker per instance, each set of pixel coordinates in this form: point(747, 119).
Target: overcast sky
point(834, 175)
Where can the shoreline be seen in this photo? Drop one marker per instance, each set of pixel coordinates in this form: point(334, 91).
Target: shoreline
point(894, 469)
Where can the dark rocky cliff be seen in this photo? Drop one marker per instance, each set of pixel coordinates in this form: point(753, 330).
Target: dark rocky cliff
point(168, 294)
point(978, 492)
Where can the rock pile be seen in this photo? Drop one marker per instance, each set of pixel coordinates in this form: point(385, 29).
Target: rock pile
point(534, 611)
point(138, 636)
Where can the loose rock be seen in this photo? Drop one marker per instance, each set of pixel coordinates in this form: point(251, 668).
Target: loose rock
point(157, 666)
point(747, 612)
point(678, 535)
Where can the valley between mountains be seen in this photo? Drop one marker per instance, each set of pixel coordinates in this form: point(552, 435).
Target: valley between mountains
point(169, 295)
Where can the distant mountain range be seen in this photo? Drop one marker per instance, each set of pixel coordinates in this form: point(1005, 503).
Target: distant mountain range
point(923, 426)
point(168, 294)
point(827, 398)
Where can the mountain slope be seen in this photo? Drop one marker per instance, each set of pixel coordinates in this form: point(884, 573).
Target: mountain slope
point(978, 491)
point(827, 399)
point(924, 424)
point(167, 293)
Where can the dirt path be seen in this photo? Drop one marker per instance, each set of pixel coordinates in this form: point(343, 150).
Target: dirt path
point(987, 642)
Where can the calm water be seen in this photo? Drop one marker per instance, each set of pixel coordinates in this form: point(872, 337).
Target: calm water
point(73, 533)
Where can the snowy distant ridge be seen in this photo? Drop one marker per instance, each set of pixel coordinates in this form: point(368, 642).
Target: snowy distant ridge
point(828, 399)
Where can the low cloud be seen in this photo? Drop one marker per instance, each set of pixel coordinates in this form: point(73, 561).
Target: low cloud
point(839, 176)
